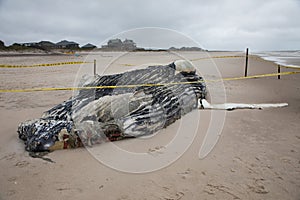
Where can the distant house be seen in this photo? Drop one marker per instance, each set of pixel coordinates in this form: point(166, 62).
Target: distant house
point(186, 49)
point(114, 43)
point(117, 44)
point(46, 44)
point(190, 49)
point(18, 46)
point(89, 46)
point(64, 44)
point(2, 46)
point(29, 44)
point(173, 49)
point(129, 44)
point(42, 45)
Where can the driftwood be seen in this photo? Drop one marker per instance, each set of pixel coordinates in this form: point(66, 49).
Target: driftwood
point(93, 116)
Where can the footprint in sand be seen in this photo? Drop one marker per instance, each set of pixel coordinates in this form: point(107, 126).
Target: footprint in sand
point(10, 156)
point(11, 192)
point(22, 164)
point(156, 150)
point(258, 187)
point(13, 180)
point(123, 197)
point(177, 196)
point(185, 174)
point(212, 189)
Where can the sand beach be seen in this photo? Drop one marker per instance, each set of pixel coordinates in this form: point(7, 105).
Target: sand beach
point(257, 155)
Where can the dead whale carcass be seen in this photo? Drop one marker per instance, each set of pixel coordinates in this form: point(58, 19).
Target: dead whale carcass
point(155, 99)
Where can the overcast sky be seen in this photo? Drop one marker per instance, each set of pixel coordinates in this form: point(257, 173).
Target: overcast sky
point(214, 24)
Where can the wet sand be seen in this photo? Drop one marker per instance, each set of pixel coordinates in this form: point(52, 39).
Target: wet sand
point(256, 157)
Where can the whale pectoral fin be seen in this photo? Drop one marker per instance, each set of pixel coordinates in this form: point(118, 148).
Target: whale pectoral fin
point(203, 104)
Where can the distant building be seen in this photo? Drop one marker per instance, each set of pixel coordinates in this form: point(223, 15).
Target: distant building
point(2, 45)
point(173, 49)
point(64, 44)
point(89, 46)
point(42, 45)
point(117, 44)
point(18, 46)
point(28, 44)
point(129, 44)
point(46, 44)
point(186, 49)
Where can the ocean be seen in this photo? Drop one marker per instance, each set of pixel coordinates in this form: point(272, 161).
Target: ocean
point(286, 58)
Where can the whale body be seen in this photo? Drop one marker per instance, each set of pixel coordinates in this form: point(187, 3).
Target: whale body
point(118, 106)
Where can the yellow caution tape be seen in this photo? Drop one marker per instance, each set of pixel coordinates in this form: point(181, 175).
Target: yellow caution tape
point(43, 65)
point(204, 58)
point(290, 67)
point(261, 76)
point(141, 85)
point(244, 56)
point(213, 57)
point(220, 57)
point(131, 86)
point(128, 65)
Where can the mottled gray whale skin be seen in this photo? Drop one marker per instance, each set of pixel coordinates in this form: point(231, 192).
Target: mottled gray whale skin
point(109, 114)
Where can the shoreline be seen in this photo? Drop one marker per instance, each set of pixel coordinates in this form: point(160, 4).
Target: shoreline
point(284, 58)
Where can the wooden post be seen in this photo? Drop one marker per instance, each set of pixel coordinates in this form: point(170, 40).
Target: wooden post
point(246, 64)
point(95, 67)
point(278, 70)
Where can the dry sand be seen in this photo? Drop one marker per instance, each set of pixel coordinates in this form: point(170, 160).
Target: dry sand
point(256, 157)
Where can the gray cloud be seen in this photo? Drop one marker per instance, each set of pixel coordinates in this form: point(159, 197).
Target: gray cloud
point(218, 24)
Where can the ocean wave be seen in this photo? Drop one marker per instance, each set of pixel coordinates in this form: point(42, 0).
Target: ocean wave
point(286, 58)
